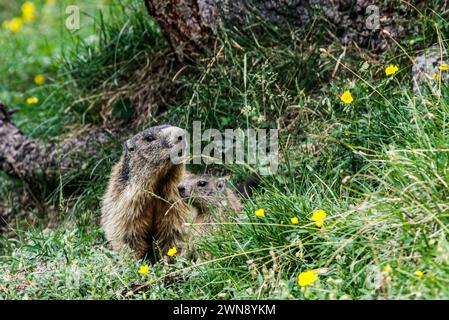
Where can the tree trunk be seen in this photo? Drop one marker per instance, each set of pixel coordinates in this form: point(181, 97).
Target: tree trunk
point(191, 25)
point(34, 161)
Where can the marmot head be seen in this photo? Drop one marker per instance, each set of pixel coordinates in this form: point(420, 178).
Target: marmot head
point(148, 153)
point(203, 191)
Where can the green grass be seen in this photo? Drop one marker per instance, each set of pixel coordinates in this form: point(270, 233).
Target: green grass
point(38, 49)
point(378, 167)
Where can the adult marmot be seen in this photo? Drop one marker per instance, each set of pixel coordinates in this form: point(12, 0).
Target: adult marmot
point(142, 203)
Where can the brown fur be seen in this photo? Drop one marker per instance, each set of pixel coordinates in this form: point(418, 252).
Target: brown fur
point(142, 203)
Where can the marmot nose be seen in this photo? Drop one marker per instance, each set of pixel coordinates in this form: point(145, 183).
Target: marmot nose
point(176, 135)
point(181, 190)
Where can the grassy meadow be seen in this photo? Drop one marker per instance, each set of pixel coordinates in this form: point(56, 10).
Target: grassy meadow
point(359, 208)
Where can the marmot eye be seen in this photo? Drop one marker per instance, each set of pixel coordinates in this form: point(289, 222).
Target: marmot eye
point(149, 138)
point(202, 183)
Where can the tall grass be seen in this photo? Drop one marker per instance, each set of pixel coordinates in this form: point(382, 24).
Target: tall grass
point(378, 167)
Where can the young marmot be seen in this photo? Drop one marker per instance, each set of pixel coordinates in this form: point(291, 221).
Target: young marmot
point(142, 203)
point(205, 192)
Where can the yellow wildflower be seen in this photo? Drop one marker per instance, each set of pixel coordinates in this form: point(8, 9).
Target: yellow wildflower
point(32, 100)
point(28, 11)
point(392, 69)
point(419, 274)
point(436, 76)
point(15, 25)
point(144, 269)
point(39, 79)
point(260, 213)
point(307, 278)
point(444, 67)
point(171, 252)
point(387, 268)
point(319, 216)
point(294, 220)
point(346, 97)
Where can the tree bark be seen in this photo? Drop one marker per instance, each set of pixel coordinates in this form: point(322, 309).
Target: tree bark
point(190, 25)
point(37, 162)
